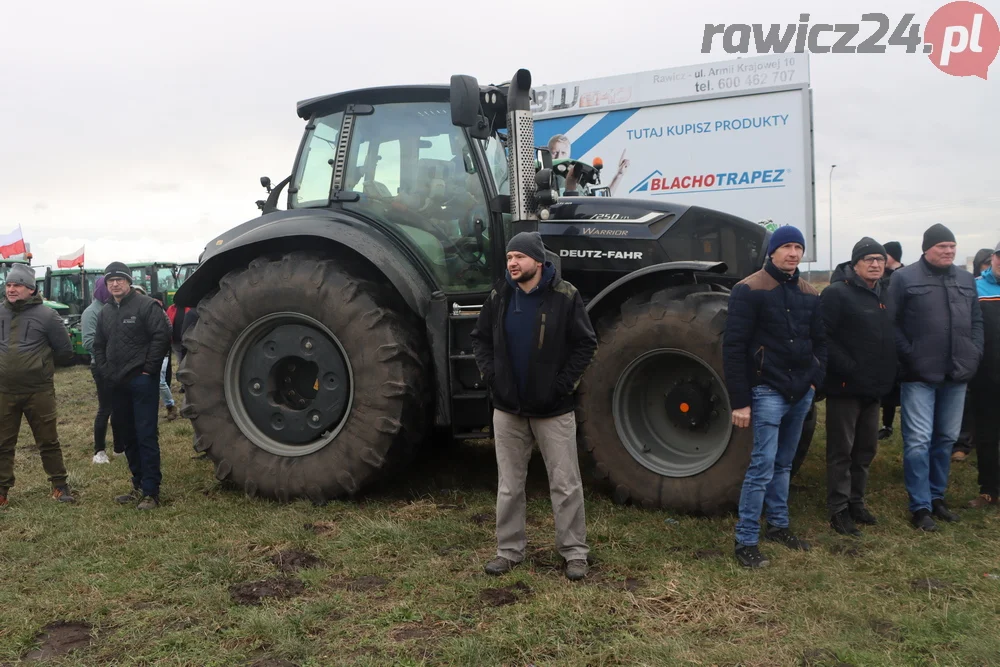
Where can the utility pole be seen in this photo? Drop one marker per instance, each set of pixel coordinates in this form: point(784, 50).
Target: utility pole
point(831, 221)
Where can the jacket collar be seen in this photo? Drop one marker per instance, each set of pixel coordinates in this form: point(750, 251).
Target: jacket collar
point(988, 276)
point(125, 299)
point(933, 270)
point(20, 306)
point(780, 275)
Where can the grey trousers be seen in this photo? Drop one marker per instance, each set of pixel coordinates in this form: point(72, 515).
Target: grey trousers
point(851, 443)
point(556, 437)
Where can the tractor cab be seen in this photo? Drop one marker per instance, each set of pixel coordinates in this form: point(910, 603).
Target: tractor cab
point(156, 278)
point(72, 287)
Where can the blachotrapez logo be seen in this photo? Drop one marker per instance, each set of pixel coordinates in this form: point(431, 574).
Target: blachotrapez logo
point(757, 179)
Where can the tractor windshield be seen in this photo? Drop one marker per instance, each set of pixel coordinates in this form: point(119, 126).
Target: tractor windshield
point(416, 172)
point(314, 176)
point(67, 288)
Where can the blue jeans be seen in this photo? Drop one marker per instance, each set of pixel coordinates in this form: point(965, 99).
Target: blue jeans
point(134, 415)
point(932, 419)
point(777, 429)
point(165, 395)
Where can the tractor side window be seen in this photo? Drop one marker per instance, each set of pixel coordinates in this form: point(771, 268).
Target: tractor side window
point(66, 289)
point(314, 175)
point(140, 278)
point(165, 280)
point(415, 172)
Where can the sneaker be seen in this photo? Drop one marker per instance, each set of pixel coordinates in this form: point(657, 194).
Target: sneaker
point(750, 556)
point(148, 503)
point(576, 569)
point(499, 565)
point(885, 432)
point(117, 453)
point(982, 500)
point(172, 413)
point(129, 498)
point(783, 536)
point(844, 524)
point(860, 514)
point(959, 457)
point(101, 457)
point(941, 511)
point(62, 494)
point(922, 520)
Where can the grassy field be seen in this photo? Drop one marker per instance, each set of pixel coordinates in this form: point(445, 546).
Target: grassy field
point(396, 577)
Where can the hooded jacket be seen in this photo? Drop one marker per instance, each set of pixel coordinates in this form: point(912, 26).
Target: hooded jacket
point(132, 337)
point(33, 339)
point(860, 337)
point(558, 347)
point(939, 326)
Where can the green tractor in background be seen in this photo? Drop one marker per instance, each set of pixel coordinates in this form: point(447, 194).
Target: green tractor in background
point(158, 277)
point(73, 288)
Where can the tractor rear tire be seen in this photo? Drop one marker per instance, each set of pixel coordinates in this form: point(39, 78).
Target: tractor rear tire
point(384, 407)
point(701, 467)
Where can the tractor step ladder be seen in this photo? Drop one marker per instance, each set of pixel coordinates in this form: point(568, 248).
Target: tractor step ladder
point(471, 412)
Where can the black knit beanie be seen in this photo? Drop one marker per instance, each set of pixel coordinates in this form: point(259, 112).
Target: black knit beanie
point(894, 250)
point(117, 270)
point(936, 234)
point(866, 246)
point(529, 243)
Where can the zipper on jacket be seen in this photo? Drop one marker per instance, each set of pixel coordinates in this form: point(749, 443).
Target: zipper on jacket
point(760, 367)
point(541, 333)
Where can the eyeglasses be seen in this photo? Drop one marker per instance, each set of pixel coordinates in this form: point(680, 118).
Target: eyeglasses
point(877, 259)
point(115, 281)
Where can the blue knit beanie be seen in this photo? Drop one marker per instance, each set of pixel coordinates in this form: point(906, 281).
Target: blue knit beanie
point(783, 235)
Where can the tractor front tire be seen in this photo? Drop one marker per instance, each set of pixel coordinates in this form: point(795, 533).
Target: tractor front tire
point(653, 412)
point(382, 410)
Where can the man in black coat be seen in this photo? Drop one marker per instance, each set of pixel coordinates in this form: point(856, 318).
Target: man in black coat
point(939, 338)
point(131, 340)
point(533, 341)
point(890, 401)
point(861, 368)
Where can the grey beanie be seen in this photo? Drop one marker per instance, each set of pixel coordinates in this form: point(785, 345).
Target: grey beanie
point(22, 274)
point(529, 243)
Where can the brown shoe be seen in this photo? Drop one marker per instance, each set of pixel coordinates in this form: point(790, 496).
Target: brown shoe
point(172, 413)
point(983, 500)
point(959, 457)
point(63, 494)
point(3, 498)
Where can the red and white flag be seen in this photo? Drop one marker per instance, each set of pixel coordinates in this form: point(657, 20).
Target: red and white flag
point(71, 260)
point(12, 244)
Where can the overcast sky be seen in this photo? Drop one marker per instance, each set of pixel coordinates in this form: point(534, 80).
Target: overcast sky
point(141, 129)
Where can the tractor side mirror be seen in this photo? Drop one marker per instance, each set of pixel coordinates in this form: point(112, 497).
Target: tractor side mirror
point(465, 106)
point(265, 183)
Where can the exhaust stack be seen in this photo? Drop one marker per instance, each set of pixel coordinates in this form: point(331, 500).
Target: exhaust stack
point(521, 148)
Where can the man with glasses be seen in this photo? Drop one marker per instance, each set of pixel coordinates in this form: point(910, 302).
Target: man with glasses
point(939, 338)
point(130, 343)
point(861, 369)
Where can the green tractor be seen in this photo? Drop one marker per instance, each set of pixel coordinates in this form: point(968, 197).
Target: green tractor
point(156, 277)
point(75, 289)
point(333, 339)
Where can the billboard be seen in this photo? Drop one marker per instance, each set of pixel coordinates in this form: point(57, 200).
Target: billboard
point(734, 136)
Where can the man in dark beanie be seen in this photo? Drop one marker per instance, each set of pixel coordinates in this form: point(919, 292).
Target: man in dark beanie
point(861, 368)
point(894, 262)
point(130, 342)
point(774, 357)
point(33, 339)
point(533, 341)
point(939, 338)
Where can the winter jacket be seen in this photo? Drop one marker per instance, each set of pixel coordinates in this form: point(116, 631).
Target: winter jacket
point(88, 327)
point(939, 326)
point(33, 339)
point(988, 288)
point(860, 336)
point(566, 345)
point(132, 337)
point(774, 336)
point(885, 279)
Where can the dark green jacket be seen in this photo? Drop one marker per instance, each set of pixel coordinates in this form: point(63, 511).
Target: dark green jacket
point(33, 339)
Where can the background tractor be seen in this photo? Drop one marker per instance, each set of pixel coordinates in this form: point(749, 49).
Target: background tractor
point(334, 337)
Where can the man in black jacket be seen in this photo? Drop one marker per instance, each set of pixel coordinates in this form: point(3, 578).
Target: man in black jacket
point(132, 339)
point(533, 341)
point(939, 338)
point(861, 368)
point(986, 387)
point(890, 401)
point(774, 357)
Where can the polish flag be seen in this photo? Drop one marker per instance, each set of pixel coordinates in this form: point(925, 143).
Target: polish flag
point(12, 244)
point(71, 260)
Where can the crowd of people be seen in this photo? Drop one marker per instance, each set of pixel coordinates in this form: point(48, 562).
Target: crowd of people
point(921, 337)
point(128, 335)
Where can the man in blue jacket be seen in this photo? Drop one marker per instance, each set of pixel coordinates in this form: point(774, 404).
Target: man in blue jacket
point(774, 357)
point(986, 387)
point(939, 337)
point(533, 341)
